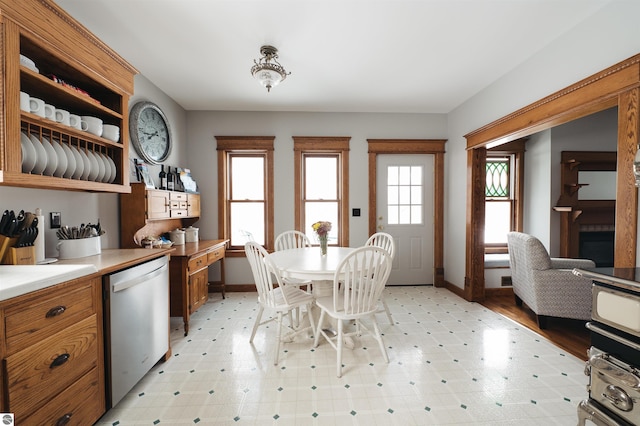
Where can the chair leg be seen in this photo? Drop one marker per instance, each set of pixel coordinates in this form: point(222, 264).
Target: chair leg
point(279, 338)
point(543, 321)
point(311, 322)
point(316, 338)
point(386, 309)
point(518, 300)
point(380, 342)
point(339, 344)
point(256, 324)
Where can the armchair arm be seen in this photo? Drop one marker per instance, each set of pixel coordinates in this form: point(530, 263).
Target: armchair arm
point(566, 263)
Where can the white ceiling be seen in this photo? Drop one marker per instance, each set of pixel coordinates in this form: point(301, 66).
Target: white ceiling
point(404, 56)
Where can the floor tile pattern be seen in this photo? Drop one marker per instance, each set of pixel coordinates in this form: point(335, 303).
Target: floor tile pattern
point(451, 363)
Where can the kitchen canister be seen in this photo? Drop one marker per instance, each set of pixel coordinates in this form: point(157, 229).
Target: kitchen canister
point(81, 247)
point(177, 236)
point(191, 234)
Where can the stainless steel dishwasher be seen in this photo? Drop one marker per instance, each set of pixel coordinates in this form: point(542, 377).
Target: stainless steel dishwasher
point(136, 324)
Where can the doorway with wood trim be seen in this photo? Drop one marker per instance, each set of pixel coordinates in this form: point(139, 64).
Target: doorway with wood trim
point(433, 147)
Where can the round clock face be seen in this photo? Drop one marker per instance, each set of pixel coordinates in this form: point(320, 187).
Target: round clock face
point(150, 132)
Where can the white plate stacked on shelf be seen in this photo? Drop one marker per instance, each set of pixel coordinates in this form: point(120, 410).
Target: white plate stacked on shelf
point(41, 155)
point(29, 155)
point(87, 165)
point(52, 157)
point(63, 163)
point(77, 174)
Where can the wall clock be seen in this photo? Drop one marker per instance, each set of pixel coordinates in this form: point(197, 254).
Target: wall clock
point(150, 132)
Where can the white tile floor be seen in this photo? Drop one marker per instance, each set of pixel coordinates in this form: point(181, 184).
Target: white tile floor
point(451, 362)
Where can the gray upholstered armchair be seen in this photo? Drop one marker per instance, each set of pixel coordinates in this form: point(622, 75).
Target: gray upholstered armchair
point(547, 285)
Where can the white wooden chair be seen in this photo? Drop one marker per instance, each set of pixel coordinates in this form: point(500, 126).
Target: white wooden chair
point(385, 241)
point(281, 298)
point(290, 240)
point(357, 287)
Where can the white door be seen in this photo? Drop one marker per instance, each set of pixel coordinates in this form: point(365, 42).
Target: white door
point(405, 187)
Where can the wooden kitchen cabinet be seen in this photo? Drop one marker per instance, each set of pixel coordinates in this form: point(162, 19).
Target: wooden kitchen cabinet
point(193, 205)
point(189, 275)
point(158, 204)
point(52, 350)
point(75, 72)
point(152, 212)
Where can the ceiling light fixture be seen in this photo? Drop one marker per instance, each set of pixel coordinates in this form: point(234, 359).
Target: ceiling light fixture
point(267, 70)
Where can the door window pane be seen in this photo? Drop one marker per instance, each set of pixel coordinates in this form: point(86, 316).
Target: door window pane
point(404, 195)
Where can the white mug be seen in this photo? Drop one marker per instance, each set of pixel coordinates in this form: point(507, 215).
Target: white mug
point(36, 106)
point(24, 102)
point(62, 116)
point(49, 112)
point(76, 122)
point(111, 132)
point(94, 124)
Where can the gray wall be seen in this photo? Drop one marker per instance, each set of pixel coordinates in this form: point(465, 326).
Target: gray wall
point(203, 126)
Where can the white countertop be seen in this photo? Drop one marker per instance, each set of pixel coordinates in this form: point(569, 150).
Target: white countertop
point(16, 280)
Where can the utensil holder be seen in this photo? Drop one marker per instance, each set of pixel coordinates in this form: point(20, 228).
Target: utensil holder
point(20, 256)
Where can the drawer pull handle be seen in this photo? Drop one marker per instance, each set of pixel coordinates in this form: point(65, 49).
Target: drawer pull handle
point(60, 359)
point(64, 419)
point(54, 312)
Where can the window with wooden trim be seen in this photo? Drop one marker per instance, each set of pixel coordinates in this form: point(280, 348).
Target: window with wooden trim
point(245, 191)
point(503, 203)
point(322, 185)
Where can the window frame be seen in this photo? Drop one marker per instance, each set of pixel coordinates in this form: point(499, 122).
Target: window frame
point(515, 151)
point(309, 145)
point(228, 146)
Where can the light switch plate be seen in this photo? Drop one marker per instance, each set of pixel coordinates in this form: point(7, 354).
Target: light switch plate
point(56, 219)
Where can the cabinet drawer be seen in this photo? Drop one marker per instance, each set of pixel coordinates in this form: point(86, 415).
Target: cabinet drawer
point(34, 319)
point(215, 255)
point(178, 213)
point(180, 196)
point(178, 205)
point(197, 262)
point(68, 405)
point(36, 374)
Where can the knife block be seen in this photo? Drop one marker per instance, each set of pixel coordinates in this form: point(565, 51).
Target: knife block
point(5, 243)
point(16, 255)
point(20, 256)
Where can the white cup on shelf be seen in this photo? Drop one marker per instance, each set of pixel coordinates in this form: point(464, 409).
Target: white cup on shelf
point(111, 132)
point(36, 106)
point(63, 117)
point(76, 122)
point(50, 112)
point(24, 101)
point(94, 124)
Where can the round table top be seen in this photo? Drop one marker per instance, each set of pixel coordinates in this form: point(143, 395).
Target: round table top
point(308, 263)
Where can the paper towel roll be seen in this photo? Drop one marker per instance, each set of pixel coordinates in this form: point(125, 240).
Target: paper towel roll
point(39, 242)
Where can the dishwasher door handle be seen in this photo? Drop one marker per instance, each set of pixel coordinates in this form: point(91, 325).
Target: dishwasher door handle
point(138, 280)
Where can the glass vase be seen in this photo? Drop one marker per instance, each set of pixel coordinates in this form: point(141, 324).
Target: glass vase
point(323, 245)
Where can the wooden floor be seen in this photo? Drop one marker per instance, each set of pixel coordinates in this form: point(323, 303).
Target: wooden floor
point(570, 335)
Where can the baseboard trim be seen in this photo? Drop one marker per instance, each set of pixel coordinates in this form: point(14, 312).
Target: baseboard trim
point(454, 289)
point(217, 288)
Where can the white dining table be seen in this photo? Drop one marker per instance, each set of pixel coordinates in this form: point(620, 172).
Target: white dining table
point(308, 263)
